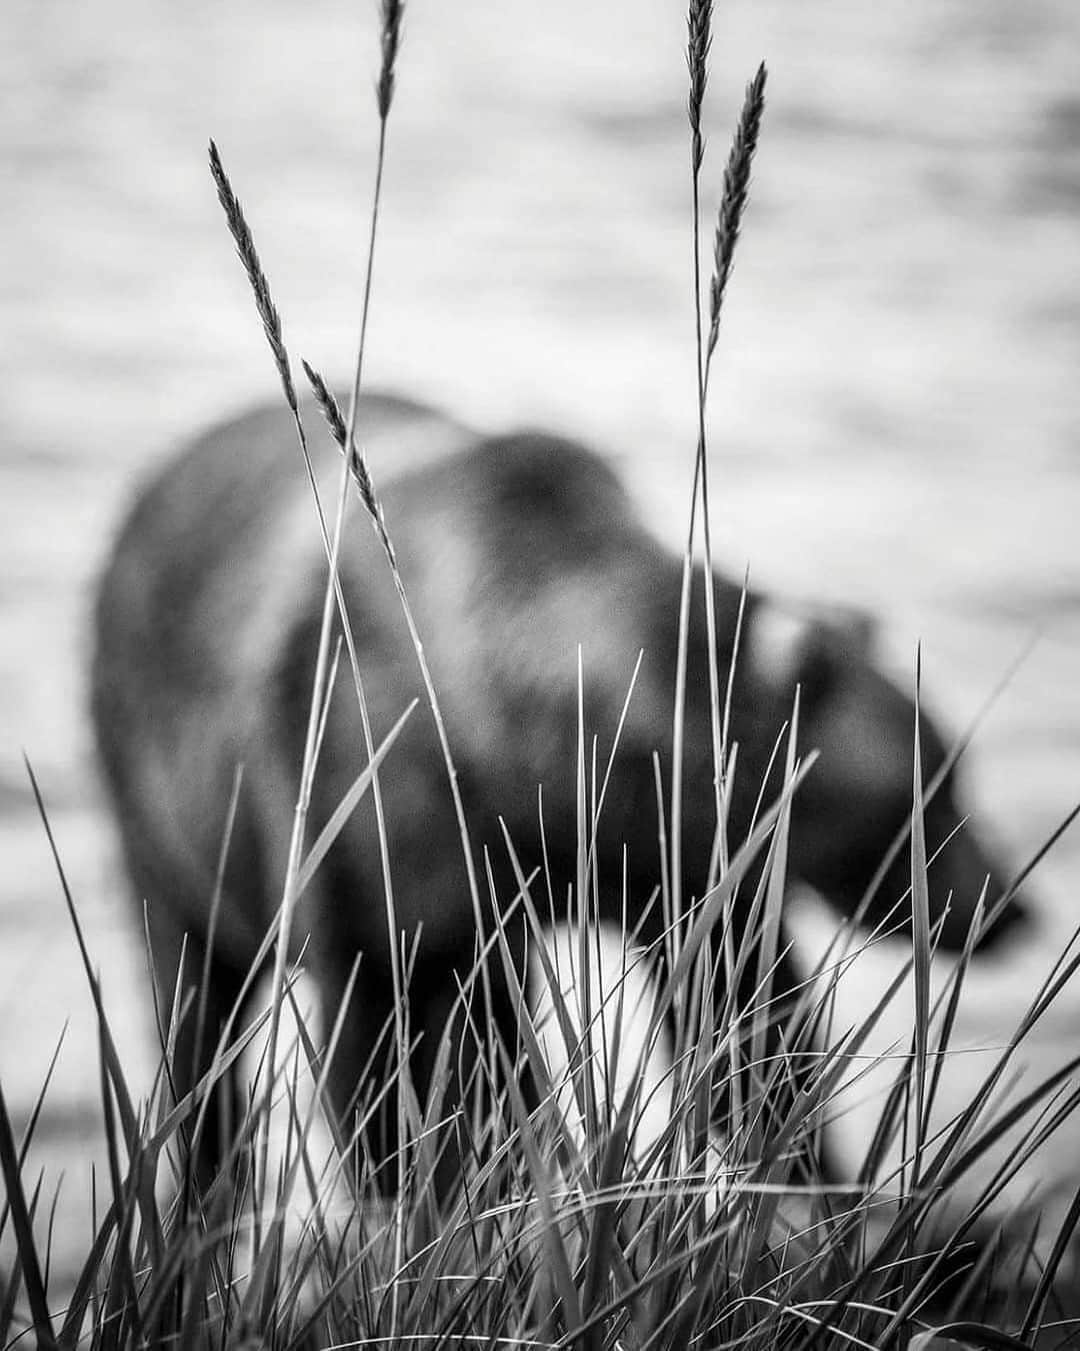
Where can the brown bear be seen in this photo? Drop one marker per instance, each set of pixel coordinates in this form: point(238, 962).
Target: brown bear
point(514, 550)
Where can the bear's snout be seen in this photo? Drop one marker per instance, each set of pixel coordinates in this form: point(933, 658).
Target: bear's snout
point(956, 878)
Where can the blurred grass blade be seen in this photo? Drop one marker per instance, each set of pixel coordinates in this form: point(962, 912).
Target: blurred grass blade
point(771, 918)
point(920, 916)
point(89, 1278)
point(968, 1334)
point(947, 1177)
point(116, 1075)
point(1062, 1242)
point(24, 1231)
point(572, 1042)
point(712, 906)
point(31, 1125)
point(9, 1295)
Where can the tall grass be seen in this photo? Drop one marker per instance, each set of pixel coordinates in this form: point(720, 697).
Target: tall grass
point(583, 1216)
point(588, 1219)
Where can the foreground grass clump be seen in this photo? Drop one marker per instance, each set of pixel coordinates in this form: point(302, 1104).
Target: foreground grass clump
point(598, 1202)
point(576, 1221)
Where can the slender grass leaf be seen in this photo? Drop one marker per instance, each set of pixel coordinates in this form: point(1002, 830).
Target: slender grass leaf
point(347, 805)
point(1062, 1244)
point(24, 1231)
point(967, 1334)
point(538, 1175)
point(920, 914)
point(116, 1076)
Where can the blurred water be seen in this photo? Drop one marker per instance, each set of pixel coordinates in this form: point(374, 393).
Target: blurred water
point(895, 407)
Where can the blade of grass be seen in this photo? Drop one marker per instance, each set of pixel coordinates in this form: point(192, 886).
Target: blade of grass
point(35, 1115)
point(956, 986)
point(774, 901)
point(340, 431)
point(24, 1232)
point(88, 1280)
point(699, 38)
point(970, 1334)
point(1062, 1242)
point(391, 29)
point(920, 913)
point(713, 904)
point(583, 985)
point(537, 1061)
point(952, 758)
point(116, 1076)
point(348, 804)
point(541, 1182)
point(9, 1297)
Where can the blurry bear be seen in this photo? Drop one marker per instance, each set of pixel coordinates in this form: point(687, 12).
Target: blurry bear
point(514, 550)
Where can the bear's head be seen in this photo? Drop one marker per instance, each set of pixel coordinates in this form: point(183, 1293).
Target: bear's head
point(850, 827)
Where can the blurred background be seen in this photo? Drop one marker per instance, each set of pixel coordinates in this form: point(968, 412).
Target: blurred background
point(895, 405)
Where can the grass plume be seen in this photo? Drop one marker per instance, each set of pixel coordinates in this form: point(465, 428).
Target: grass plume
point(392, 13)
point(736, 181)
point(698, 43)
point(271, 321)
point(357, 464)
point(260, 286)
point(733, 202)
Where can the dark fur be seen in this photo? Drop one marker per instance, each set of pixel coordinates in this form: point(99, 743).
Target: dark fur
point(514, 549)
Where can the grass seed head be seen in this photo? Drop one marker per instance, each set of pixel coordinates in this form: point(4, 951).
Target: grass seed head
point(736, 190)
point(245, 247)
point(392, 11)
point(699, 39)
point(331, 411)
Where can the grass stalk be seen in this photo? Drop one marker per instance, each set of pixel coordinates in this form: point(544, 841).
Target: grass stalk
point(699, 39)
point(736, 183)
point(921, 954)
point(339, 430)
point(390, 39)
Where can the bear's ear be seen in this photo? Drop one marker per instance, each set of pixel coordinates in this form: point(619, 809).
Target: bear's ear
point(791, 645)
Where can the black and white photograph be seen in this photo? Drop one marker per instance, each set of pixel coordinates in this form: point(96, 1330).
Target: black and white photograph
point(540, 674)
